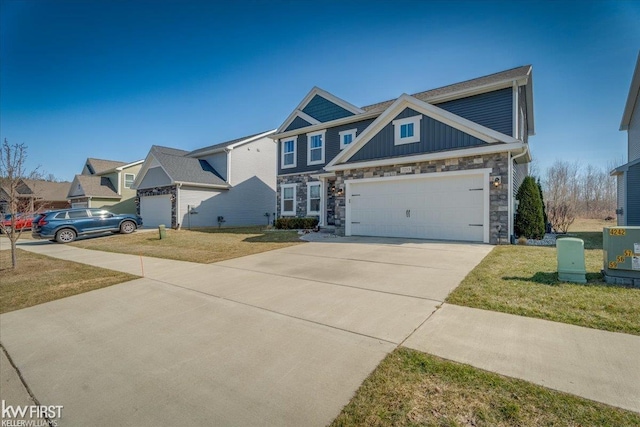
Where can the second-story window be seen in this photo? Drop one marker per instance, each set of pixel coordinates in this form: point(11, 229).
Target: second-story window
point(407, 130)
point(347, 137)
point(128, 180)
point(315, 148)
point(289, 153)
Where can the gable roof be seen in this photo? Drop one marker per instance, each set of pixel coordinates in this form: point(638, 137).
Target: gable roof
point(183, 169)
point(632, 98)
point(92, 186)
point(99, 165)
point(47, 190)
point(522, 75)
point(316, 91)
point(228, 145)
point(483, 133)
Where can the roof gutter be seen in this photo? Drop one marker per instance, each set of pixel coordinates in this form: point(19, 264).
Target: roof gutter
point(198, 184)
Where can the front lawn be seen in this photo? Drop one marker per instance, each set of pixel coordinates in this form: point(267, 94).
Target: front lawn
point(40, 279)
point(199, 245)
point(523, 280)
point(411, 388)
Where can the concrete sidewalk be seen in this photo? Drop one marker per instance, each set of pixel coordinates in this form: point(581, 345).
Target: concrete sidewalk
point(599, 365)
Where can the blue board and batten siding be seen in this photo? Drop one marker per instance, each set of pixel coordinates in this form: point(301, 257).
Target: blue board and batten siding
point(324, 110)
point(332, 148)
point(492, 109)
point(297, 123)
point(434, 136)
point(633, 195)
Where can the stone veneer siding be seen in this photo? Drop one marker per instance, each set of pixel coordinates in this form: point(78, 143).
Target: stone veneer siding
point(498, 197)
point(301, 193)
point(161, 191)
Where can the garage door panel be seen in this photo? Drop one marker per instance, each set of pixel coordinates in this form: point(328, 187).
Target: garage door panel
point(155, 210)
point(449, 208)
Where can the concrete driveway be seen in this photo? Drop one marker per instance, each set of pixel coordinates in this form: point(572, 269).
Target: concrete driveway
point(279, 338)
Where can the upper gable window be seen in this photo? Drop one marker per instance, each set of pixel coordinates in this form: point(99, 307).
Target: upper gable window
point(347, 137)
point(407, 130)
point(315, 148)
point(128, 180)
point(289, 153)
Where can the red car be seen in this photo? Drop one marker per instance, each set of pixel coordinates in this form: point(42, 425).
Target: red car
point(23, 222)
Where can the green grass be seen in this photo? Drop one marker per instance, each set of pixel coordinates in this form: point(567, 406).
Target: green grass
point(523, 280)
point(410, 388)
point(39, 279)
point(205, 245)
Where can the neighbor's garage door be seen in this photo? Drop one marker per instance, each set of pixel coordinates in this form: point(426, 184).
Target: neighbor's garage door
point(442, 207)
point(155, 210)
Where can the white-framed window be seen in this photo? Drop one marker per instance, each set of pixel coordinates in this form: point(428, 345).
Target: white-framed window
point(288, 200)
point(315, 148)
point(347, 137)
point(407, 130)
point(289, 153)
point(128, 180)
point(314, 198)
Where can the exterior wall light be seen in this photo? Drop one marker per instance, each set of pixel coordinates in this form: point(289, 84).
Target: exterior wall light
point(496, 181)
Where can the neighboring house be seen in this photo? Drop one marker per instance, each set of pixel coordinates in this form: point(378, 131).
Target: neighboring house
point(441, 164)
point(105, 184)
point(37, 195)
point(230, 184)
point(628, 175)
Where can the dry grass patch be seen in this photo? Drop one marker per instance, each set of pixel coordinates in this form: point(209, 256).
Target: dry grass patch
point(198, 245)
point(523, 280)
point(411, 388)
point(40, 279)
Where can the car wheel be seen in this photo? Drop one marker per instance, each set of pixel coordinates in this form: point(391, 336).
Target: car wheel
point(127, 227)
point(66, 235)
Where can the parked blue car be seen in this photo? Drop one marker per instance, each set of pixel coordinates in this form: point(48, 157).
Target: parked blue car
point(64, 226)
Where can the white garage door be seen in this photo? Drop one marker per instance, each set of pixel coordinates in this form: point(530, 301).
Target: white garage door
point(155, 210)
point(443, 207)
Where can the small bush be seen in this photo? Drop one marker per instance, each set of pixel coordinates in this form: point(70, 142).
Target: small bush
point(296, 223)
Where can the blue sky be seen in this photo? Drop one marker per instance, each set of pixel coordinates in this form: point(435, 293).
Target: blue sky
point(108, 79)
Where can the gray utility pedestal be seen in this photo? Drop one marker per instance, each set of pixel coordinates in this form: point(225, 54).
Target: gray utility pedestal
point(571, 265)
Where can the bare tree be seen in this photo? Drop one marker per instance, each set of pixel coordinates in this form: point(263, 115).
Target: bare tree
point(12, 172)
point(561, 188)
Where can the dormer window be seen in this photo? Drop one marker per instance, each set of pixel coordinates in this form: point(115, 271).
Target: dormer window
point(407, 130)
point(289, 153)
point(315, 148)
point(347, 137)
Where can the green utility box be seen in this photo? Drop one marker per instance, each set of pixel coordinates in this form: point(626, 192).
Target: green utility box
point(571, 265)
point(621, 247)
point(162, 231)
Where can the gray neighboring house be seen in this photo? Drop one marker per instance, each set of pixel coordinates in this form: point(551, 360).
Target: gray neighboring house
point(230, 184)
point(441, 164)
point(628, 175)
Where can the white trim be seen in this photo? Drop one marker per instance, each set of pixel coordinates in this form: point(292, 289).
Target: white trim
point(197, 153)
point(309, 185)
point(467, 152)
point(481, 132)
point(295, 152)
point(485, 172)
point(295, 190)
point(199, 184)
point(322, 148)
point(514, 111)
point(397, 127)
point(329, 124)
point(344, 133)
point(136, 163)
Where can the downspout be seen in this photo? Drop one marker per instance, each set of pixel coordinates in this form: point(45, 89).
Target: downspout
point(511, 162)
point(178, 225)
point(228, 151)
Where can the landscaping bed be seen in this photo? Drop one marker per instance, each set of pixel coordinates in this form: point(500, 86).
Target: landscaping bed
point(411, 388)
point(204, 245)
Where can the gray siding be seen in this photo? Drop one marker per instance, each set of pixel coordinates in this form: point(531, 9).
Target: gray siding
point(621, 181)
point(434, 136)
point(520, 172)
point(633, 195)
point(493, 109)
point(297, 123)
point(324, 110)
point(155, 177)
point(332, 147)
point(634, 134)
point(218, 162)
